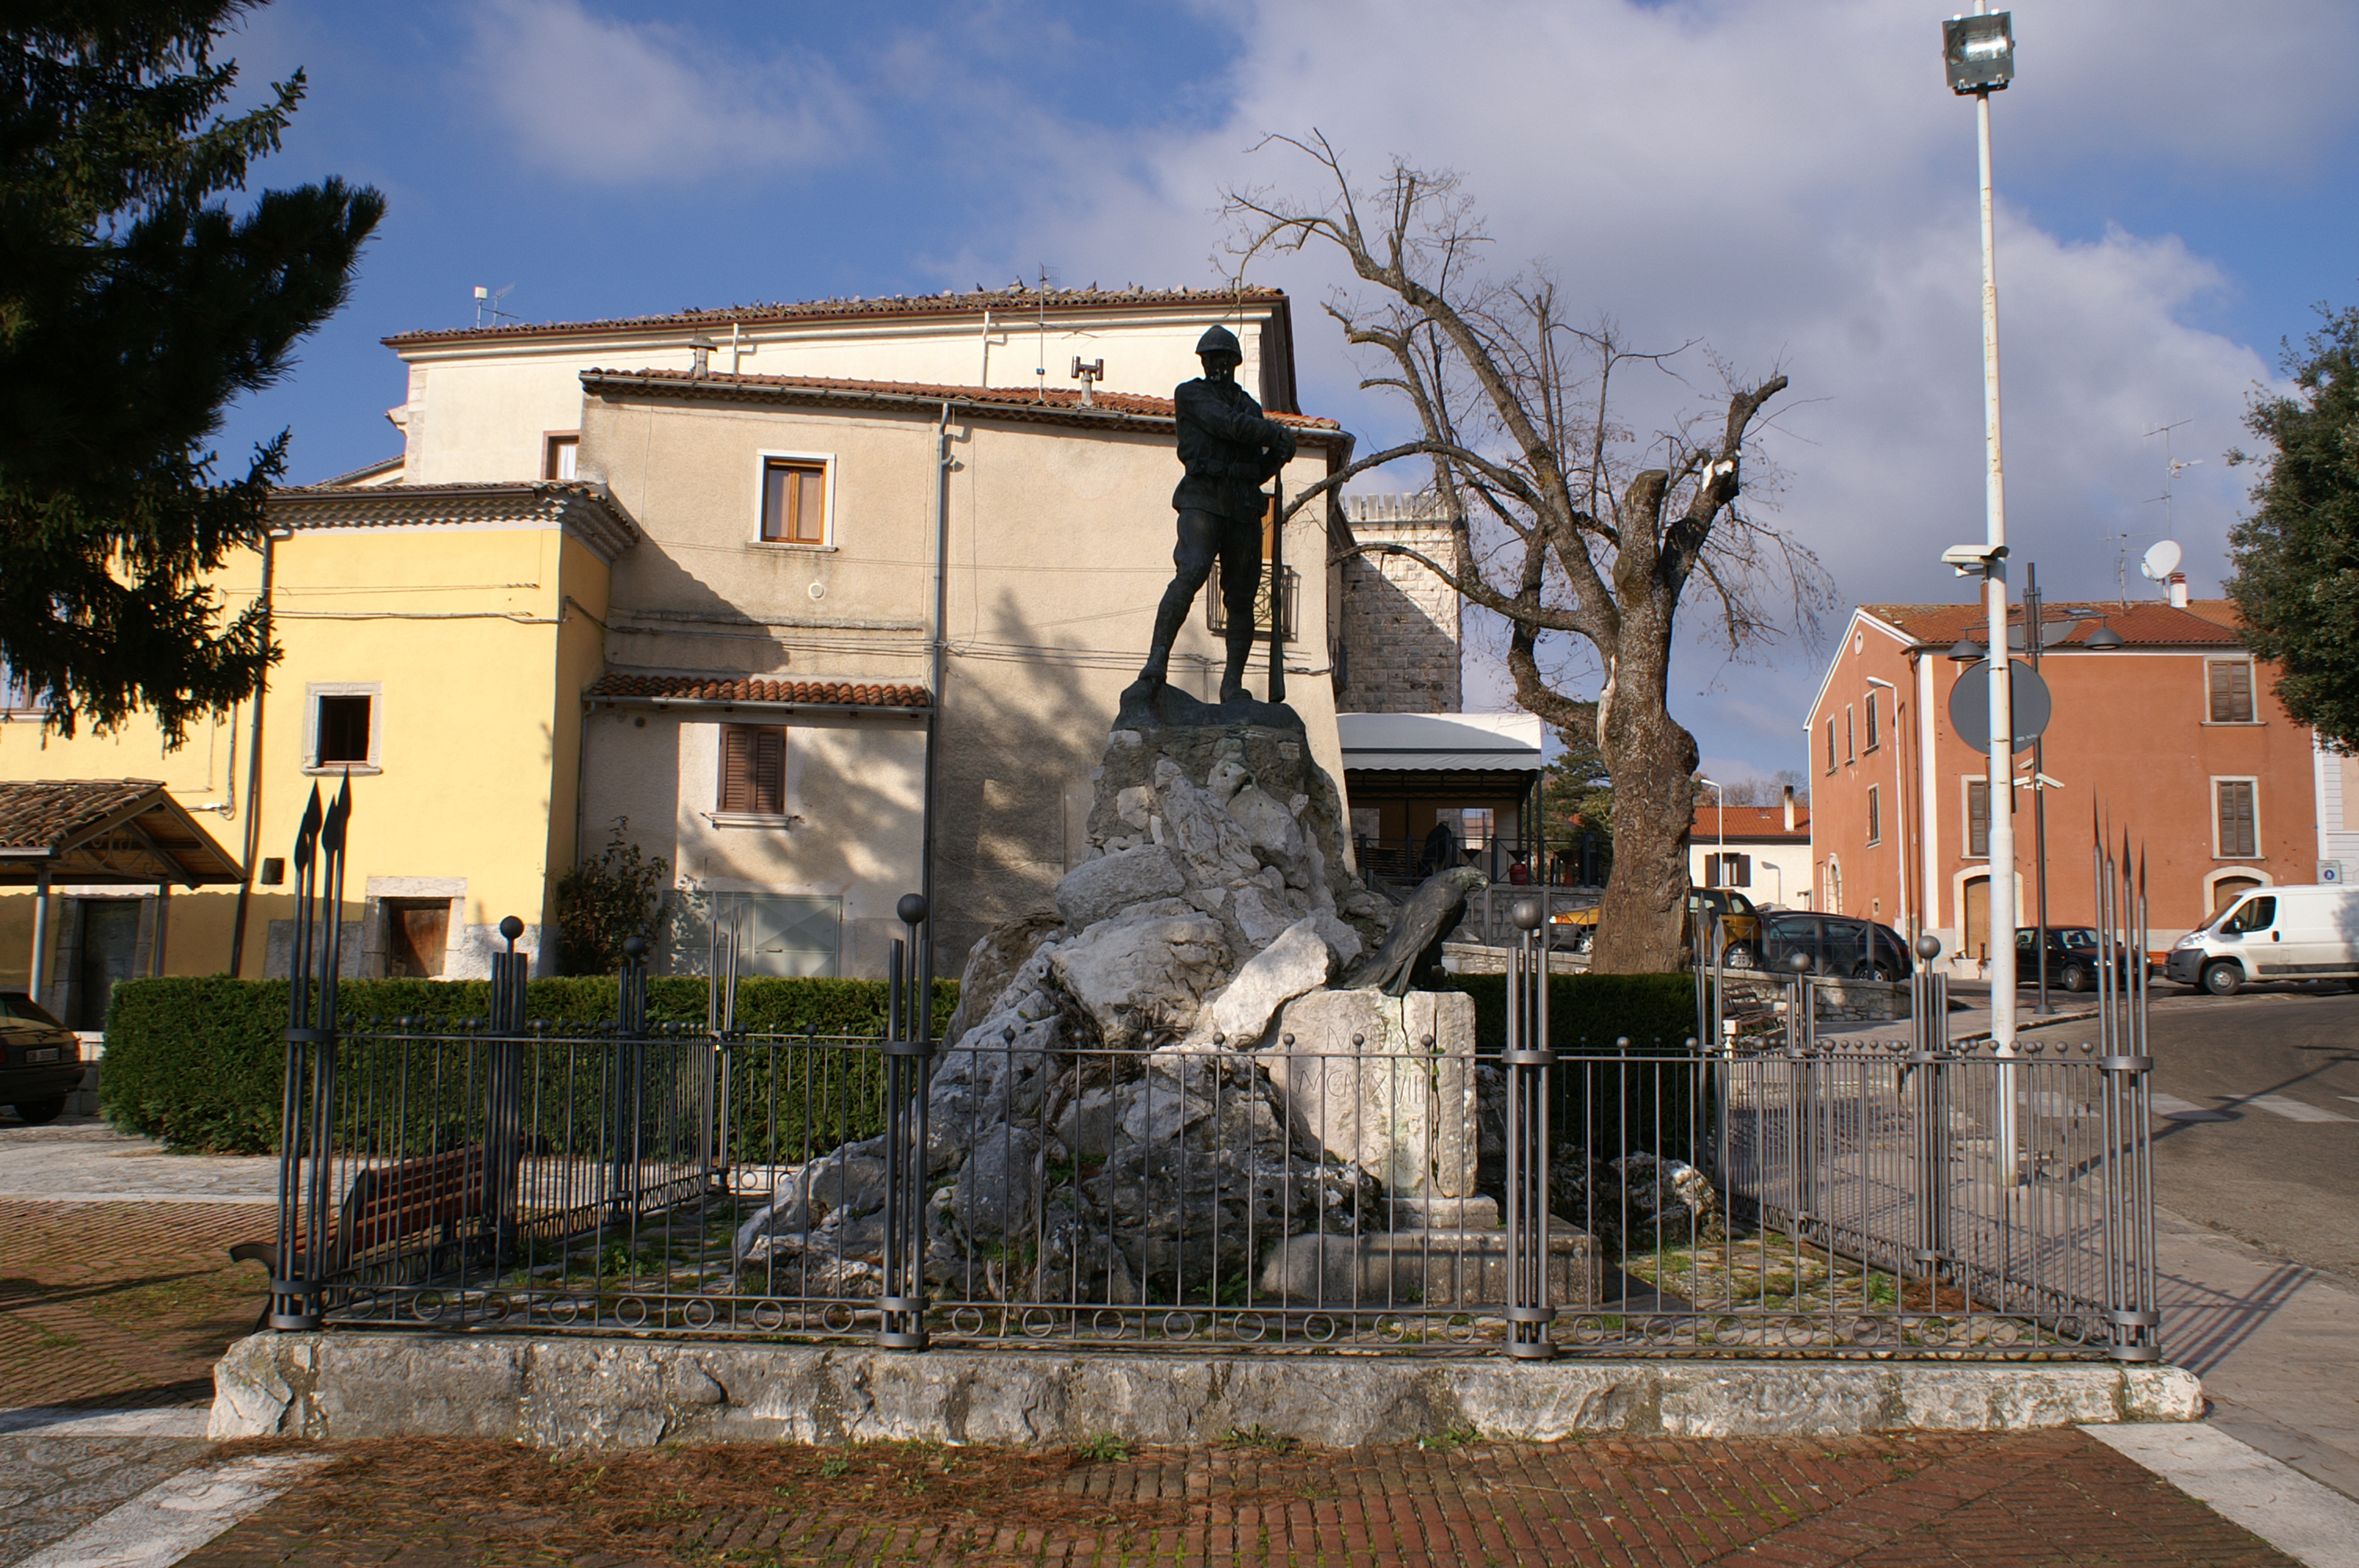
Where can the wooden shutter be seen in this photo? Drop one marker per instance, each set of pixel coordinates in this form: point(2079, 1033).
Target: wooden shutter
point(1874, 813)
point(1831, 745)
point(1872, 734)
point(2232, 691)
point(2236, 826)
point(1742, 867)
point(754, 769)
point(1978, 817)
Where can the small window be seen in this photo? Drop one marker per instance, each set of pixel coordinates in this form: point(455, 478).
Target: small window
point(1978, 819)
point(2239, 835)
point(754, 769)
point(1874, 735)
point(417, 938)
point(17, 698)
point(1850, 752)
point(1831, 745)
point(794, 502)
point(2231, 682)
point(1875, 813)
point(559, 453)
point(342, 731)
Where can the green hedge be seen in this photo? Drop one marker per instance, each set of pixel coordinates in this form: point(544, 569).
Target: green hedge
point(199, 1063)
point(1588, 1012)
point(1606, 1109)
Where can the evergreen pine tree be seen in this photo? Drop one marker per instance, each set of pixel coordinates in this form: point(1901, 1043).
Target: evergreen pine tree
point(135, 307)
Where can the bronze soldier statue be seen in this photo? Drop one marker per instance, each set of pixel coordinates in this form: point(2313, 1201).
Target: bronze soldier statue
point(1228, 449)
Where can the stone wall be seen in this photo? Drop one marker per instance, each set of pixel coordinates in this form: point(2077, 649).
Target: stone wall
point(1400, 623)
point(1838, 1000)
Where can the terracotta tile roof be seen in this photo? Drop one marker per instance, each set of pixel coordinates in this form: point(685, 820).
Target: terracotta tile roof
point(39, 814)
point(1751, 822)
point(1059, 400)
point(1012, 299)
point(2145, 624)
point(108, 831)
point(710, 688)
point(584, 508)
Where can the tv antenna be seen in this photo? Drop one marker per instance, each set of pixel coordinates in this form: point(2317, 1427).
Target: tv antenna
point(2170, 467)
point(487, 304)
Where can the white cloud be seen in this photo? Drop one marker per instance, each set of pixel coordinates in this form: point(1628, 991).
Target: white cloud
point(608, 102)
point(1796, 185)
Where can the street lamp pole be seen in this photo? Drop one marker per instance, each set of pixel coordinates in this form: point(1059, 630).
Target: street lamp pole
point(1979, 51)
point(1900, 804)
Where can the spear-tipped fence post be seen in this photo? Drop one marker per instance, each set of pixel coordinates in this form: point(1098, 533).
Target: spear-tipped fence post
point(908, 1069)
point(504, 1071)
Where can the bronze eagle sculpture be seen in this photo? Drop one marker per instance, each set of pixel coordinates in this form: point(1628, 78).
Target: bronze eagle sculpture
point(1412, 953)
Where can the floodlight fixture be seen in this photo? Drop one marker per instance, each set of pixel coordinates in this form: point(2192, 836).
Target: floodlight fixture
point(1979, 52)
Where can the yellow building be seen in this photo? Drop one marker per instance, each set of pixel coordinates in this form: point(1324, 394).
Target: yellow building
point(437, 641)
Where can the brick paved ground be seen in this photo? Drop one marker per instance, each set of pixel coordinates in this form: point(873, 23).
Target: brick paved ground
point(121, 1304)
point(2047, 1498)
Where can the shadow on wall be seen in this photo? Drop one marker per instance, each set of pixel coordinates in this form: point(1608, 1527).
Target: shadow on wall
point(1021, 733)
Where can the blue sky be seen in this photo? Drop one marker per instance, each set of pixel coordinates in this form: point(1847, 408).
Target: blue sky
point(1794, 185)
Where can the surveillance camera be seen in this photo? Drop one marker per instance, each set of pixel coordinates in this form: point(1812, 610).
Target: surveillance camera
point(1972, 560)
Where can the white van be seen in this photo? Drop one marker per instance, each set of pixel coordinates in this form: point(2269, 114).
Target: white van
point(2272, 933)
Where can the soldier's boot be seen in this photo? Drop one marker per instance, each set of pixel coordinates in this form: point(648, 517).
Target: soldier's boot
point(1241, 649)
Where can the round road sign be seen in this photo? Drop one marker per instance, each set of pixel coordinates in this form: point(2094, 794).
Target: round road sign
point(2028, 698)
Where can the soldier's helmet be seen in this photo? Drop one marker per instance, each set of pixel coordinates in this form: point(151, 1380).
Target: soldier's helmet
point(1221, 340)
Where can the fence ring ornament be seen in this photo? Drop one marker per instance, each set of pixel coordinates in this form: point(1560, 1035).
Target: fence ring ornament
point(427, 1307)
point(2003, 1331)
point(1460, 1326)
point(1119, 1327)
point(564, 1309)
point(1320, 1328)
point(1588, 1330)
point(1933, 1330)
point(1249, 1325)
point(769, 1316)
point(698, 1314)
point(631, 1311)
point(967, 1319)
point(1179, 1326)
point(497, 1306)
point(2071, 1330)
point(1039, 1323)
point(1394, 1327)
point(1728, 1329)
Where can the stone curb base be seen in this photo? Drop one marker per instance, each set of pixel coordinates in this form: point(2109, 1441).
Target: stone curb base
point(631, 1393)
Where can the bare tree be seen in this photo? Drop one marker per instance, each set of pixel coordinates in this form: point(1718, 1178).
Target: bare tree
point(1565, 522)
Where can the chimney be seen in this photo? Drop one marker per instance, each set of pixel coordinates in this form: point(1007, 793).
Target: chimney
point(1789, 808)
point(2178, 591)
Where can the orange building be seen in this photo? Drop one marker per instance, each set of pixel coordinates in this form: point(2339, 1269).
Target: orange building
point(2175, 736)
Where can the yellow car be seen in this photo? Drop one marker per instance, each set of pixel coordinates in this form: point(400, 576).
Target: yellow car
point(1740, 925)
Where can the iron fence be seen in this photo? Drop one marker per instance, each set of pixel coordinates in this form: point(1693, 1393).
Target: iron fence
point(1378, 1190)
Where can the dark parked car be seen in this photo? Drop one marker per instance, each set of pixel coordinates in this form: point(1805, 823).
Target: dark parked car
point(2070, 955)
point(1840, 945)
point(40, 1060)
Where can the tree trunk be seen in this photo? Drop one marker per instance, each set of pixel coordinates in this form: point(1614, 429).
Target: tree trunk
point(1653, 760)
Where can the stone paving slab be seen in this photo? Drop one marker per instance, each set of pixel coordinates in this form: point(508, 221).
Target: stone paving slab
point(51, 1486)
point(83, 1160)
point(2042, 1499)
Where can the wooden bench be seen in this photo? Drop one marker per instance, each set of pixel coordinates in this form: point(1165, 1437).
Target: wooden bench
point(389, 1202)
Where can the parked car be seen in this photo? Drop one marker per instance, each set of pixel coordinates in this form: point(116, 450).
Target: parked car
point(2070, 955)
point(1740, 925)
point(1840, 945)
point(2301, 933)
point(40, 1059)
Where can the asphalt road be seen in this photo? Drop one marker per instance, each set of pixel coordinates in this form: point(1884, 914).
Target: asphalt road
point(2258, 1127)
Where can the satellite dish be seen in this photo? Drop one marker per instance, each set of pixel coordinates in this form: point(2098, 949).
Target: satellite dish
point(2162, 560)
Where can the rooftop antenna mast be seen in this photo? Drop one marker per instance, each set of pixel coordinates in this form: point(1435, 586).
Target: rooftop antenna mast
point(1040, 372)
point(487, 304)
point(2171, 468)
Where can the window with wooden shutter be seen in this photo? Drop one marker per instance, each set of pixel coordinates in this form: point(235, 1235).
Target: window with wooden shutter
point(1874, 734)
point(1851, 752)
point(1875, 813)
point(1831, 745)
point(1978, 802)
point(754, 769)
point(2239, 833)
point(794, 502)
point(2232, 690)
